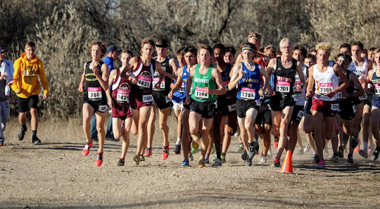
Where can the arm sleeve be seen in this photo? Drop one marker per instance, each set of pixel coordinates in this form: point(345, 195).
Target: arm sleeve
point(17, 71)
point(44, 81)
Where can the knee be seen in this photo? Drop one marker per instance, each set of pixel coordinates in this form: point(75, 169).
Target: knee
point(100, 129)
point(164, 126)
point(267, 128)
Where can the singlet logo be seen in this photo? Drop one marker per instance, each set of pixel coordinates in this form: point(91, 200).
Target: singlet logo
point(125, 86)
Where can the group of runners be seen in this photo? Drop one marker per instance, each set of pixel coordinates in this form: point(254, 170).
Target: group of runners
point(261, 92)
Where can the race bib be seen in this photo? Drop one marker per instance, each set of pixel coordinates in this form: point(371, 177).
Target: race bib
point(300, 114)
point(335, 107)
point(247, 93)
point(283, 86)
point(324, 88)
point(232, 108)
point(162, 84)
point(182, 89)
point(122, 96)
point(102, 108)
point(147, 98)
point(200, 93)
point(377, 90)
point(144, 81)
point(94, 93)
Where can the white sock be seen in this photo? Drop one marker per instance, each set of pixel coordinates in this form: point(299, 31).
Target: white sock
point(178, 142)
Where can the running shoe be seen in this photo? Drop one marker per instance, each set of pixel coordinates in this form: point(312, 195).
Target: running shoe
point(121, 162)
point(276, 163)
point(148, 152)
point(165, 152)
point(316, 158)
point(185, 163)
point(275, 143)
point(340, 152)
point(1, 143)
point(363, 153)
point(217, 162)
point(201, 163)
point(99, 159)
point(195, 145)
point(86, 149)
point(142, 158)
point(263, 159)
point(256, 146)
point(350, 159)
point(269, 151)
point(240, 148)
point(223, 158)
point(321, 165)
point(357, 148)
point(177, 149)
point(22, 134)
point(252, 151)
point(335, 158)
point(191, 158)
point(136, 158)
point(36, 140)
point(244, 156)
point(375, 154)
point(307, 148)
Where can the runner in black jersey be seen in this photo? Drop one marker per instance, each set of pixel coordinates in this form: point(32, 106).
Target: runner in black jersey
point(94, 98)
point(161, 99)
point(347, 107)
point(284, 69)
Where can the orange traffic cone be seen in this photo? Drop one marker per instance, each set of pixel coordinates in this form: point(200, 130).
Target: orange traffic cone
point(287, 166)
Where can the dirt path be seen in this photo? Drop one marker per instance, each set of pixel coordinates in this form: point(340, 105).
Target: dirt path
point(56, 175)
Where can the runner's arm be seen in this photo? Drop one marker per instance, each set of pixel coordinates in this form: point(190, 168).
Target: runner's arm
point(178, 83)
point(103, 80)
point(189, 83)
point(108, 91)
point(360, 90)
point(310, 84)
point(338, 71)
point(219, 82)
point(173, 67)
point(235, 78)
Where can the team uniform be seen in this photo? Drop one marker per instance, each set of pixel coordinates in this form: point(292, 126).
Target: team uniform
point(6, 66)
point(299, 98)
point(227, 103)
point(94, 94)
point(120, 97)
point(248, 91)
point(203, 103)
point(141, 92)
point(360, 71)
point(347, 108)
point(283, 85)
point(161, 95)
point(180, 95)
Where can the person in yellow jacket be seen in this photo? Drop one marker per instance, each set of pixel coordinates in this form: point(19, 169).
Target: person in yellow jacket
point(27, 68)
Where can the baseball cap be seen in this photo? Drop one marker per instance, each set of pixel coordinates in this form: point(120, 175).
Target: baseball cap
point(2, 49)
point(113, 48)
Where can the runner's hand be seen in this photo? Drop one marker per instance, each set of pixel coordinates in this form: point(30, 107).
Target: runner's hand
point(157, 86)
point(45, 96)
point(170, 95)
point(241, 74)
point(309, 94)
point(330, 94)
point(133, 80)
point(80, 88)
point(207, 90)
point(188, 100)
point(110, 102)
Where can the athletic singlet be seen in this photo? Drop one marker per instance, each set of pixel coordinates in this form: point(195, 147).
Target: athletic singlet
point(299, 97)
point(144, 75)
point(249, 84)
point(376, 87)
point(226, 80)
point(349, 89)
point(360, 71)
point(284, 78)
point(121, 89)
point(199, 82)
point(93, 91)
point(165, 83)
point(181, 92)
point(325, 82)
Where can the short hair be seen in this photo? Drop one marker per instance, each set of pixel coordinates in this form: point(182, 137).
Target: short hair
point(270, 48)
point(345, 45)
point(147, 41)
point(30, 44)
point(103, 47)
point(255, 35)
point(127, 52)
point(278, 53)
point(324, 46)
point(347, 58)
point(285, 40)
point(205, 46)
point(313, 50)
point(162, 43)
point(231, 49)
point(372, 49)
point(179, 50)
point(190, 49)
point(359, 44)
point(248, 44)
point(311, 56)
point(220, 46)
point(301, 49)
point(377, 50)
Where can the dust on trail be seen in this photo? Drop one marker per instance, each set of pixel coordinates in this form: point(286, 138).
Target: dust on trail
point(56, 175)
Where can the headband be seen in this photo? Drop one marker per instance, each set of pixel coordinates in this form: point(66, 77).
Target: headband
point(247, 48)
point(162, 45)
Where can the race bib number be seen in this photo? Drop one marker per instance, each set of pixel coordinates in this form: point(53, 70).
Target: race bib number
point(335, 107)
point(283, 86)
point(182, 89)
point(200, 93)
point(300, 114)
point(162, 84)
point(377, 90)
point(94, 93)
point(102, 108)
point(247, 93)
point(147, 98)
point(31, 71)
point(122, 96)
point(144, 81)
point(324, 88)
point(364, 97)
point(232, 108)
